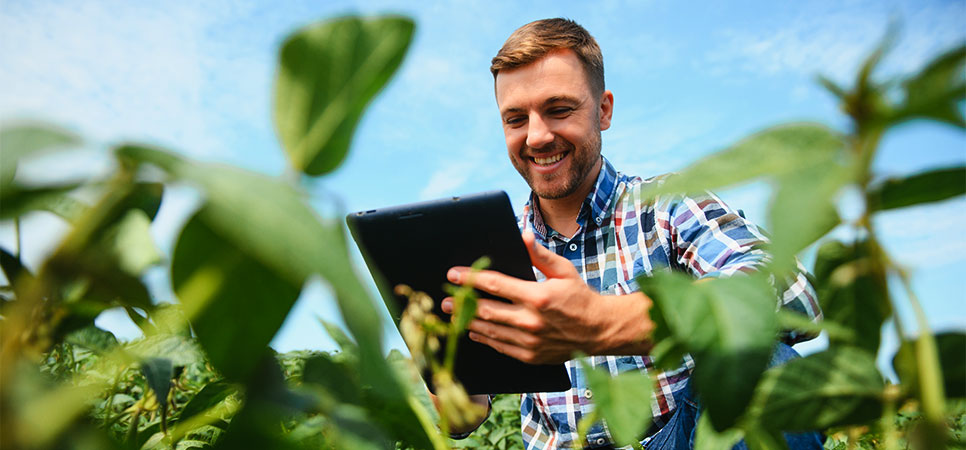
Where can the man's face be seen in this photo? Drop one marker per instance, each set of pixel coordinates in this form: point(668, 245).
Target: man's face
point(552, 123)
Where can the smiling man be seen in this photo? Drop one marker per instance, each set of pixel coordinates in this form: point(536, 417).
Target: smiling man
point(590, 233)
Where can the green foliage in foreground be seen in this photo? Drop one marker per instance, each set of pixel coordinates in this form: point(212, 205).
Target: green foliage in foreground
point(203, 375)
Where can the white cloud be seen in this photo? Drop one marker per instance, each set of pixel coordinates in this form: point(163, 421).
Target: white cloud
point(926, 236)
point(834, 40)
point(119, 70)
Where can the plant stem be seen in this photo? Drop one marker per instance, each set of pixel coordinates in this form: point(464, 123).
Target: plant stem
point(16, 231)
point(888, 422)
point(931, 390)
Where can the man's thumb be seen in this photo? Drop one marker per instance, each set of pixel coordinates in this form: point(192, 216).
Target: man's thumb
point(549, 263)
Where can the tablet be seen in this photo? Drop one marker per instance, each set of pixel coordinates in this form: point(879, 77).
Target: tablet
point(417, 244)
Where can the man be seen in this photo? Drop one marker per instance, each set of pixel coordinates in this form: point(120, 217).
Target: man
point(590, 234)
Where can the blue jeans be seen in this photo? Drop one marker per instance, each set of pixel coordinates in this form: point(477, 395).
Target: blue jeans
point(678, 433)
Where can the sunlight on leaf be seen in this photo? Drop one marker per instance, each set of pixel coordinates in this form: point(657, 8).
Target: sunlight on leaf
point(328, 73)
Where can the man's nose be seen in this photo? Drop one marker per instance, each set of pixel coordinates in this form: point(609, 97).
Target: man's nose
point(538, 132)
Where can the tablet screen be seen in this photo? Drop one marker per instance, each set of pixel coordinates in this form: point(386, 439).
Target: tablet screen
point(417, 244)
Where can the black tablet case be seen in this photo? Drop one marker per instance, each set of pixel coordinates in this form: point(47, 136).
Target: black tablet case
point(416, 244)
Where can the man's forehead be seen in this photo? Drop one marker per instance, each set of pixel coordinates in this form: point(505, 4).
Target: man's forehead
point(558, 74)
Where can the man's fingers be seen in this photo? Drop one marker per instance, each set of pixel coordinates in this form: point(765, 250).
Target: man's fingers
point(551, 264)
point(507, 348)
point(494, 283)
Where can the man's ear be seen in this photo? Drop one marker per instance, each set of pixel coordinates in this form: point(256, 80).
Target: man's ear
point(606, 109)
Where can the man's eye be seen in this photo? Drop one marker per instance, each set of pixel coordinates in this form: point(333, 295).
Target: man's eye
point(561, 111)
point(514, 120)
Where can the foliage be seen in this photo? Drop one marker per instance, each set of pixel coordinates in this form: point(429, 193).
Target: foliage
point(203, 375)
point(727, 324)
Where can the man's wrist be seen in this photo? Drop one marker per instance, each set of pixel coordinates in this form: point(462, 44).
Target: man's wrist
point(630, 326)
point(478, 399)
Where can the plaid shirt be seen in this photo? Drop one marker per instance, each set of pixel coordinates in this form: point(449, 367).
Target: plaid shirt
point(621, 237)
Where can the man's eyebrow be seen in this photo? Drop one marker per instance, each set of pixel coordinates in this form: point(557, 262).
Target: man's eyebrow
point(561, 98)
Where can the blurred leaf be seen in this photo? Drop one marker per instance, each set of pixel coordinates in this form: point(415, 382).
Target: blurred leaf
point(772, 152)
point(209, 396)
point(951, 347)
point(789, 320)
point(338, 378)
point(268, 402)
point(802, 210)
point(20, 140)
point(16, 201)
point(327, 75)
point(352, 429)
point(839, 386)
point(706, 438)
point(279, 231)
point(158, 372)
point(133, 245)
point(729, 327)
point(619, 400)
point(757, 438)
point(181, 350)
point(13, 269)
point(935, 92)
point(832, 87)
point(235, 303)
point(852, 292)
point(93, 338)
point(924, 187)
point(335, 332)
point(277, 228)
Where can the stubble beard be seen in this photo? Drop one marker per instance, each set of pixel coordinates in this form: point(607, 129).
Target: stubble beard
point(582, 162)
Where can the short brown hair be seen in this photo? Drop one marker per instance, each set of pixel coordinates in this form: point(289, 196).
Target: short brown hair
point(536, 39)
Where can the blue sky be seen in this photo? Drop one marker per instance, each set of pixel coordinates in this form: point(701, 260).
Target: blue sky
point(687, 80)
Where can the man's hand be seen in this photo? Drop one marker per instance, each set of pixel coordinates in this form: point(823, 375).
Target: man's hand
point(548, 322)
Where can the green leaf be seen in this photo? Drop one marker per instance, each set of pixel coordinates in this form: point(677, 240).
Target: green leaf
point(23, 139)
point(757, 438)
point(951, 347)
point(278, 230)
point(935, 92)
point(772, 152)
point(158, 372)
point(352, 429)
point(832, 87)
point(839, 386)
point(729, 327)
point(338, 378)
point(335, 332)
point(93, 338)
point(327, 75)
point(706, 438)
point(852, 291)
point(924, 187)
point(14, 269)
point(802, 210)
point(620, 401)
point(16, 201)
point(208, 397)
point(181, 350)
point(235, 303)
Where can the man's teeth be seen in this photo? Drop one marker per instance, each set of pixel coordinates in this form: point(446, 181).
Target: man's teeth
point(550, 160)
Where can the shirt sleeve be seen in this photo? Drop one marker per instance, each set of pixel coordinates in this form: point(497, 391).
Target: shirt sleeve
point(709, 239)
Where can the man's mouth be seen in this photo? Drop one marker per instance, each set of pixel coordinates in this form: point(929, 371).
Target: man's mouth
point(549, 159)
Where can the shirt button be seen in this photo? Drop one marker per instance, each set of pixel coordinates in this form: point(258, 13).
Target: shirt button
point(573, 247)
point(588, 394)
point(600, 441)
point(599, 220)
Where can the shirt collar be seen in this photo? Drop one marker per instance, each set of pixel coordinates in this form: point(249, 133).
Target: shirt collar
point(596, 206)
